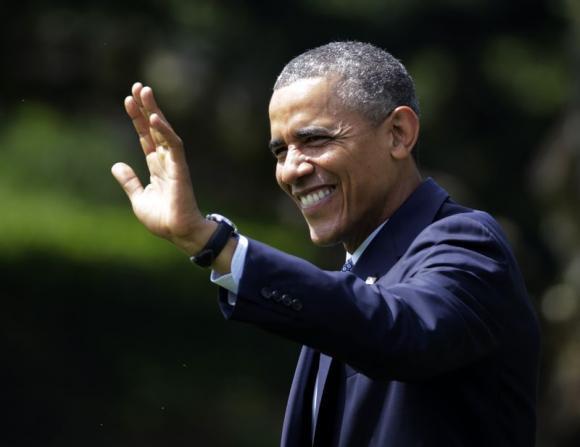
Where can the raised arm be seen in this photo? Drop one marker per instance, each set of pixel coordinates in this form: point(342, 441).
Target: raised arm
point(166, 206)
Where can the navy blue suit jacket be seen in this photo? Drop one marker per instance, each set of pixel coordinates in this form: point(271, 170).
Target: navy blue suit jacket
point(442, 350)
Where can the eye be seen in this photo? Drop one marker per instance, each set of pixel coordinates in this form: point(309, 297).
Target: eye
point(316, 140)
point(279, 153)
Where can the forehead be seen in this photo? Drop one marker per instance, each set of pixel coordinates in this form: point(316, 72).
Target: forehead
point(306, 101)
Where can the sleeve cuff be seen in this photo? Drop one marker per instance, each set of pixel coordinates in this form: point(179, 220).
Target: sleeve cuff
point(231, 280)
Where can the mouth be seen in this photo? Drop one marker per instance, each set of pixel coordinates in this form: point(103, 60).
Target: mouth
point(314, 197)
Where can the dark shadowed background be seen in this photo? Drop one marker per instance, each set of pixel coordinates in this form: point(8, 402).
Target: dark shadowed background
point(110, 337)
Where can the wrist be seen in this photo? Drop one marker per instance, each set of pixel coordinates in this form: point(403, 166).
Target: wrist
point(194, 242)
point(224, 237)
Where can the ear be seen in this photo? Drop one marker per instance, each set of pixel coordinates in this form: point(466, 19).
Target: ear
point(405, 131)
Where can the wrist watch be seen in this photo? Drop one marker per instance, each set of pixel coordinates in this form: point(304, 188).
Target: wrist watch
point(217, 241)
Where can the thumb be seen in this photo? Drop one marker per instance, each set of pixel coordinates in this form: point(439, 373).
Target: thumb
point(128, 180)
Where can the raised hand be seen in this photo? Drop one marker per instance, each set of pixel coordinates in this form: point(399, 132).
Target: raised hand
point(167, 205)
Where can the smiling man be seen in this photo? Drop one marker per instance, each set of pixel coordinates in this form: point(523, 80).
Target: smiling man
point(346, 173)
point(426, 337)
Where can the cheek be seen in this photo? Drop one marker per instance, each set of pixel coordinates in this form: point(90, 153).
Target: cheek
point(278, 175)
point(283, 186)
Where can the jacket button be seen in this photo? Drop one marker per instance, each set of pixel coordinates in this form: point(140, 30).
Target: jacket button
point(296, 304)
point(266, 293)
point(286, 300)
point(276, 296)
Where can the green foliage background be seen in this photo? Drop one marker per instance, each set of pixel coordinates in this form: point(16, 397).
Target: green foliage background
point(110, 337)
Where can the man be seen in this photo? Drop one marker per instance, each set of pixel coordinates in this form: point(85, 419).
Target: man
point(427, 336)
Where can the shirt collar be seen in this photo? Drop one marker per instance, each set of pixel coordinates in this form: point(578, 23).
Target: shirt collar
point(354, 257)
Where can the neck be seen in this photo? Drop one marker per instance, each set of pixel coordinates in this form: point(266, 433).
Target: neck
point(400, 193)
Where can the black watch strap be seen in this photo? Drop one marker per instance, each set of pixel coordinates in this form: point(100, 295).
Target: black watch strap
point(214, 245)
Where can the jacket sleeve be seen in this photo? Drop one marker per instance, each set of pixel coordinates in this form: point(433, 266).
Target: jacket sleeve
point(442, 306)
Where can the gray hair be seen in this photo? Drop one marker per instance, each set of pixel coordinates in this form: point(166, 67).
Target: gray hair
point(369, 79)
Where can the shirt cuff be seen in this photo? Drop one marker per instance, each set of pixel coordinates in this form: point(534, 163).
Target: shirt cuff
point(231, 281)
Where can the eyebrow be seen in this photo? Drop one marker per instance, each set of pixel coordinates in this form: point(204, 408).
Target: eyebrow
point(302, 134)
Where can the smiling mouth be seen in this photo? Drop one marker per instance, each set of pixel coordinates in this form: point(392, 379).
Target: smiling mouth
point(313, 198)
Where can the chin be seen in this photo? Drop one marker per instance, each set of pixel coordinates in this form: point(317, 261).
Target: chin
point(323, 239)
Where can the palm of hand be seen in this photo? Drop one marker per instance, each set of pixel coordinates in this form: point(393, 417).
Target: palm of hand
point(167, 205)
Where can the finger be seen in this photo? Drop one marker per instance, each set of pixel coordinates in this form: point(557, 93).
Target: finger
point(151, 108)
point(126, 177)
point(141, 124)
point(136, 92)
point(133, 109)
point(165, 132)
point(149, 103)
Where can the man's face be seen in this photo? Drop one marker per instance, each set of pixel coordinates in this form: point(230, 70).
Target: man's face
point(334, 164)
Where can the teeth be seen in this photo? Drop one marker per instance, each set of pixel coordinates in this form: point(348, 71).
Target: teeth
point(314, 197)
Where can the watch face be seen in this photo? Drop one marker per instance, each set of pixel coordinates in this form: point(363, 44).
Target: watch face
point(219, 218)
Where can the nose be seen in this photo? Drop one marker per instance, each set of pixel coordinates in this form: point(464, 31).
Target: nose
point(296, 165)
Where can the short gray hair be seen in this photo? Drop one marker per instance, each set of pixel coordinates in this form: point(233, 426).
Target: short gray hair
point(369, 80)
